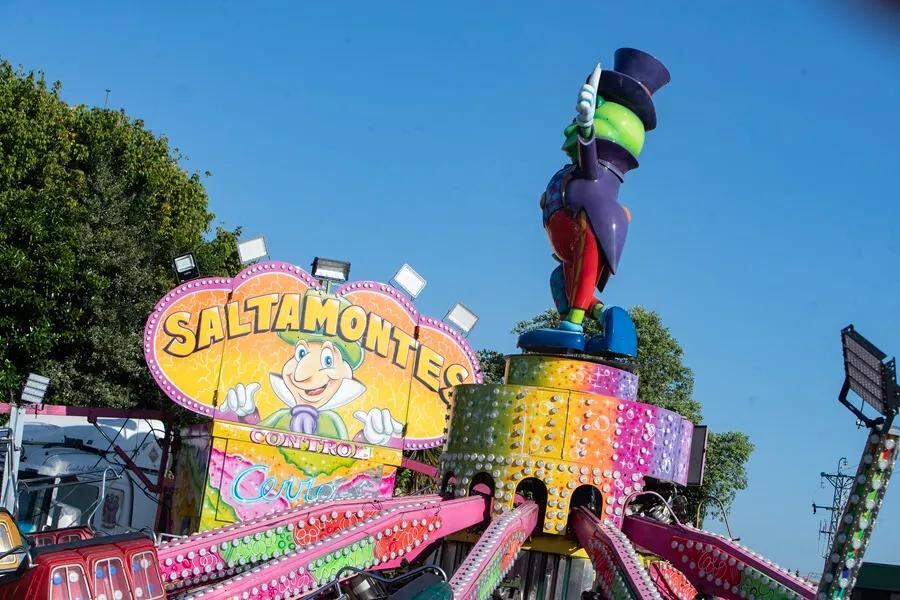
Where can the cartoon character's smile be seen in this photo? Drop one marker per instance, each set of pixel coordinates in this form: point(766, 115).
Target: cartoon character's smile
point(315, 373)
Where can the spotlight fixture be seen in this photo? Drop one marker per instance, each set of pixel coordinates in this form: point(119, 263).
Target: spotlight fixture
point(186, 267)
point(409, 281)
point(252, 250)
point(335, 271)
point(35, 388)
point(870, 375)
point(462, 318)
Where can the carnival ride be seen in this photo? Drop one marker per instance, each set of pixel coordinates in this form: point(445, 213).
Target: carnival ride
point(518, 486)
point(315, 393)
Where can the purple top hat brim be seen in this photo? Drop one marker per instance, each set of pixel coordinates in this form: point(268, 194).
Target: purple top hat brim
point(628, 91)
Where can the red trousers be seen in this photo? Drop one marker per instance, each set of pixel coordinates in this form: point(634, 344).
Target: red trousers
point(583, 262)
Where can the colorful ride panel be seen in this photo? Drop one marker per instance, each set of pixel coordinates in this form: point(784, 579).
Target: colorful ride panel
point(496, 551)
point(206, 557)
point(858, 519)
point(620, 574)
point(715, 565)
point(242, 472)
point(669, 581)
point(563, 424)
point(401, 532)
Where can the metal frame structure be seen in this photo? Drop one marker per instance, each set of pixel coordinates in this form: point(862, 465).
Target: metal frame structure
point(875, 385)
point(842, 483)
point(873, 377)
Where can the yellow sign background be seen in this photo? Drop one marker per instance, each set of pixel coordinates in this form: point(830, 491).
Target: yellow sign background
point(204, 340)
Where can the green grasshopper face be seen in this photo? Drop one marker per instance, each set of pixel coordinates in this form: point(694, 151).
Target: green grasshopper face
point(613, 122)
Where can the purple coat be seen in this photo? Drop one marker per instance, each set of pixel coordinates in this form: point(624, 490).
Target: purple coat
point(593, 186)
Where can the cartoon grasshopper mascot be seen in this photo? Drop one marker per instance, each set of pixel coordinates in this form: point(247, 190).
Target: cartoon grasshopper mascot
point(316, 378)
point(581, 213)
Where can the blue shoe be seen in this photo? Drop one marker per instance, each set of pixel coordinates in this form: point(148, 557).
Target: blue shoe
point(570, 326)
point(619, 336)
point(553, 340)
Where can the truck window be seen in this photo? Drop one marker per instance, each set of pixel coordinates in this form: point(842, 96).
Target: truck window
point(68, 583)
point(73, 502)
point(145, 571)
point(109, 580)
point(33, 505)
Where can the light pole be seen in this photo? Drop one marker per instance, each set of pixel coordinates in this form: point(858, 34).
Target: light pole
point(33, 393)
point(873, 378)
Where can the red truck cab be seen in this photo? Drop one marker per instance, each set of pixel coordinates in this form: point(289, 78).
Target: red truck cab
point(120, 567)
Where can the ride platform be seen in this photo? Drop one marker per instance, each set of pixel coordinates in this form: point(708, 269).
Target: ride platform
point(564, 432)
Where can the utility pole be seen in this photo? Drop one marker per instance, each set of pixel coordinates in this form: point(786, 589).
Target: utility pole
point(841, 483)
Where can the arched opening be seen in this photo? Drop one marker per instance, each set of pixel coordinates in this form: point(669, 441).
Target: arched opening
point(483, 485)
point(448, 486)
point(587, 496)
point(535, 490)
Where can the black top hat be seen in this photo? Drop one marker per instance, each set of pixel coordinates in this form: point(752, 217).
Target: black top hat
point(632, 82)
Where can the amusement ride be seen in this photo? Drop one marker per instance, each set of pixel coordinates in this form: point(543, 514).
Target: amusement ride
point(555, 483)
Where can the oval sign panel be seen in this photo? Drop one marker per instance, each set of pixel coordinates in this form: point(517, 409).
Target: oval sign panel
point(270, 348)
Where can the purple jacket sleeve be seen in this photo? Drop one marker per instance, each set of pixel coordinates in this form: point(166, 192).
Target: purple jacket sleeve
point(588, 166)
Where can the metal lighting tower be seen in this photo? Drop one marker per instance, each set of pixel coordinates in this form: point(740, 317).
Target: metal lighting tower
point(870, 375)
point(32, 394)
point(841, 482)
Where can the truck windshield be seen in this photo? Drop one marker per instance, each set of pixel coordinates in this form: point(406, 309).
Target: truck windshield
point(73, 502)
point(32, 505)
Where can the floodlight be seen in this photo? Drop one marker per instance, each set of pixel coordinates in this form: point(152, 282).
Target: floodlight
point(697, 457)
point(409, 281)
point(35, 388)
point(869, 374)
point(186, 267)
point(330, 270)
point(462, 318)
point(252, 249)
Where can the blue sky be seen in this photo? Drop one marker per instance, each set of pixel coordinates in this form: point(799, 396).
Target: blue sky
point(765, 209)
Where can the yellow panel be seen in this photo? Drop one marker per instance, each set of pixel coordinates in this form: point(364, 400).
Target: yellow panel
point(544, 421)
point(9, 538)
point(269, 347)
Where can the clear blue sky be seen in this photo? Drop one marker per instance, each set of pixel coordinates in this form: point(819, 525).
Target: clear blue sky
point(765, 209)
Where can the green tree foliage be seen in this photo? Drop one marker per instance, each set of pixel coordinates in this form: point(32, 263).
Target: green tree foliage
point(93, 207)
point(726, 459)
point(665, 381)
point(493, 365)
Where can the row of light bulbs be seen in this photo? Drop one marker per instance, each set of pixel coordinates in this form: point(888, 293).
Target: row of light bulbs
point(859, 516)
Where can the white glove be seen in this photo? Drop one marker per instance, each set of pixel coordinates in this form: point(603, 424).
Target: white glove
point(239, 399)
point(378, 425)
point(587, 100)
